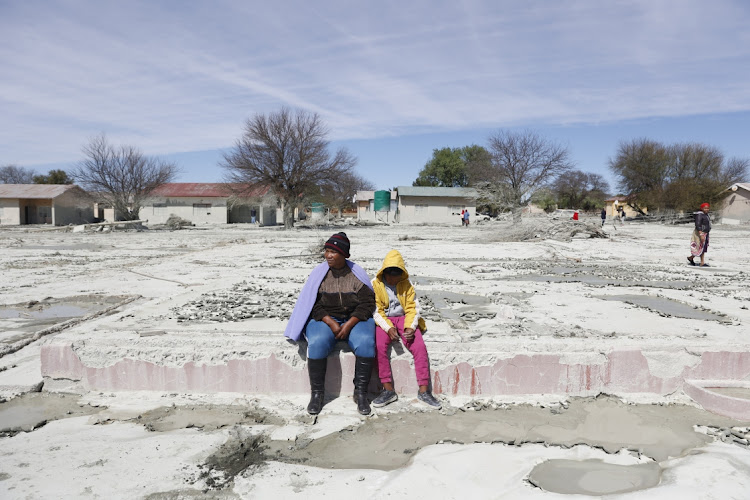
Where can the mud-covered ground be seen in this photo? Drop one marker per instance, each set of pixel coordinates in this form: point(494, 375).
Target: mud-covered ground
point(479, 287)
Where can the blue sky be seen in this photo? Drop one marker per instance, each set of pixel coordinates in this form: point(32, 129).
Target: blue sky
point(392, 80)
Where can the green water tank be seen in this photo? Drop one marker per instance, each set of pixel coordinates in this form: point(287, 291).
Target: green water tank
point(382, 201)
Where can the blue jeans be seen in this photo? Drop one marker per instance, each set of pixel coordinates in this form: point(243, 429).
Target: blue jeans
point(320, 339)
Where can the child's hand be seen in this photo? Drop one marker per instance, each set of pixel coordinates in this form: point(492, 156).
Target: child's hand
point(393, 333)
point(409, 333)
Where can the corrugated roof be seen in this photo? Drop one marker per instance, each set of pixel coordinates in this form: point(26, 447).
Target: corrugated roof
point(34, 191)
point(445, 192)
point(206, 190)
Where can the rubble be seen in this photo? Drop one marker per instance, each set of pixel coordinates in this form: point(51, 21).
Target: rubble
point(175, 222)
point(543, 228)
point(243, 301)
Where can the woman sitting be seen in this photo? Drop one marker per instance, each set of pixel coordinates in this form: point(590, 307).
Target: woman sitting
point(336, 303)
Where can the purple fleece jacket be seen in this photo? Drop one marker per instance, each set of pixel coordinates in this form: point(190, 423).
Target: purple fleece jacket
point(309, 293)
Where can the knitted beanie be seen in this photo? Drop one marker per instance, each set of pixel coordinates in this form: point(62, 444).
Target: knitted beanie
point(340, 243)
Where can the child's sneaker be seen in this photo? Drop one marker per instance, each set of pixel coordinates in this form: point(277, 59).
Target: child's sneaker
point(429, 399)
point(385, 397)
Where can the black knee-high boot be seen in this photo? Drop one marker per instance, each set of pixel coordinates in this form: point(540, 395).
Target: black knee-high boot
point(316, 369)
point(362, 372)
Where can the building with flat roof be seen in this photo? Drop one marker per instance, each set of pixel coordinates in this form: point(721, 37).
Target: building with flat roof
point(423, 204)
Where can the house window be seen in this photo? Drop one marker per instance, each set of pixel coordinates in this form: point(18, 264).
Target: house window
point(160, 209)
point(420, 209)
point(201, 209)
point(454, 209)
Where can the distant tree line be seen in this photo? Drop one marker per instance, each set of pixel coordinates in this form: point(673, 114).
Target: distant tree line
point(517, 167)
point(675, 177)
point(508, 171)
point(13, 174)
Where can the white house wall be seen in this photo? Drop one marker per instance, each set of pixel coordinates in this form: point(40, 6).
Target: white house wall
point(737, 206)
point(196, 210)
point(10, 212)
point(71, 208)
point(433, 209)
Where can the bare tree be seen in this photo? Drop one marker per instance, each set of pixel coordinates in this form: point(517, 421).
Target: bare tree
point(288, 151)
point(122, 177)
point(13, 174)
point(525, 161)
point(340, 192)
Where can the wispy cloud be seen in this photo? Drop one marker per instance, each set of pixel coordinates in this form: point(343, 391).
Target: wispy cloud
point(183, 76)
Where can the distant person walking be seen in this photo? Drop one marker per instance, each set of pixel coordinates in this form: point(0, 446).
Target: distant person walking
point(463, 220)
point(466, 218)
point(699, 239)
point(604, 216)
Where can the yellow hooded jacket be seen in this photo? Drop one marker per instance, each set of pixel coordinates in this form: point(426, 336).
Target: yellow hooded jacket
point(404, 291)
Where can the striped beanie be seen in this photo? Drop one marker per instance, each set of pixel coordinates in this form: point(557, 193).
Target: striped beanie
point(340, 243)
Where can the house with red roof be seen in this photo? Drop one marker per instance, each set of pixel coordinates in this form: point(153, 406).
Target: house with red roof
point(211, 203)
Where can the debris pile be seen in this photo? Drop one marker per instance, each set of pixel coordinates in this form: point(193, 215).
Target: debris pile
point(542, 228)
point(175, 222)
point(242, 301)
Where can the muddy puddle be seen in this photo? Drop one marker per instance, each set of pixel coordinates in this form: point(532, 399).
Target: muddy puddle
point(33, 410)
point(206, 417)
point(18, 321)
point(666, 307)
point(656, 431)
point(593, 477)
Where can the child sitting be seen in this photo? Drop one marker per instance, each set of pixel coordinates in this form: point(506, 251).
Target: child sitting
point(396, 315)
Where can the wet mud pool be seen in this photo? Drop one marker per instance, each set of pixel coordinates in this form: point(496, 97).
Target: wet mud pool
point(33, 410)
point(35, 315)
point(645, 435)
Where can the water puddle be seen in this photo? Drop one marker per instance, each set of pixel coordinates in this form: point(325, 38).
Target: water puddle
point(666, 307)
point(33, 410)
point(208, 418)
point(18, 321)
point(732, 392)
point(593, 477)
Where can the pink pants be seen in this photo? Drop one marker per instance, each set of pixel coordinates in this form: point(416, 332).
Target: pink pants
point(416, 347)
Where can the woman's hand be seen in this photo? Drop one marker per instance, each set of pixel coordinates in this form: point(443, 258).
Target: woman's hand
point(333, 325)
point(346, 328)
point(409, 333)
point(393, 333)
